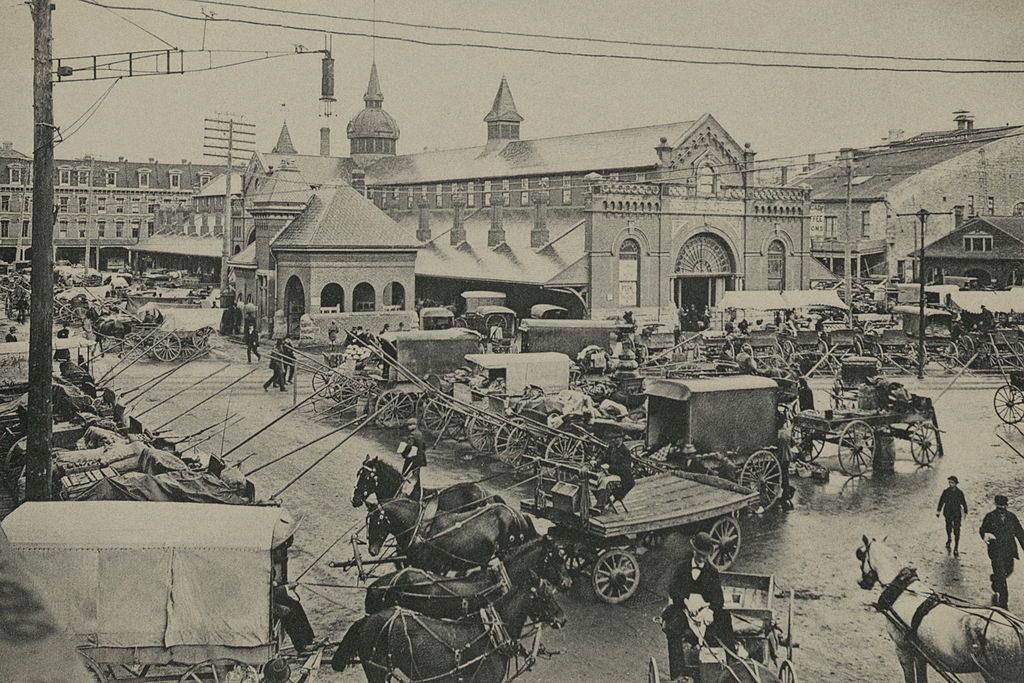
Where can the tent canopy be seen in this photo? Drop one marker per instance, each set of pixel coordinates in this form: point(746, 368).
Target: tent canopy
point(770, 300)
point(997, 302)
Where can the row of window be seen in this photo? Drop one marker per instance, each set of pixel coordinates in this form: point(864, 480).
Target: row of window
point(831, 230)
point(81, 229)
point(472, 191)
point(364, 298)
point(16, 175)
point(81, 205)
point(979, 242)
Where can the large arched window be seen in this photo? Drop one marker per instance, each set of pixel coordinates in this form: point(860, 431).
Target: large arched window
point(394, 296)
point(776, 266)
point(332, 298)
point(705, 180)
point(1018, 209)
point(364, 299)
point(629, 273)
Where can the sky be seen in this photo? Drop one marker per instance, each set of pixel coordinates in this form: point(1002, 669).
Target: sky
point(439, 95)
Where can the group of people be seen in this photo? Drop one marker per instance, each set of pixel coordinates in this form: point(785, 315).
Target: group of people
point(693, 319)
point(282, 365)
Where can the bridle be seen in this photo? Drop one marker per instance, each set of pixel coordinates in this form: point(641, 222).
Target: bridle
point(868, 579)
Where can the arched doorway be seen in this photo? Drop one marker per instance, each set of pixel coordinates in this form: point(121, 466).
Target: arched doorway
point(704, 271)
point(984, 277)
point(394, 296)
point(776, 266)
point(364, 298)
point(332, 298)
point(294, 304)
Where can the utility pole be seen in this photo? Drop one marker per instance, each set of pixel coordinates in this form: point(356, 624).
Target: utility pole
point(38, 472)
point(922, 216)
point(232, 140)
point(847, 246)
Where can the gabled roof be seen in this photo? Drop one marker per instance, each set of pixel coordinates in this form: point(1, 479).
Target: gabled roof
point(284, 142)
point(504, 107)
point(876, 171)
point(215, 188)
point(951, 245)
point(584, 152)
point(341, 218)
point(515, 260)
point(245, 258)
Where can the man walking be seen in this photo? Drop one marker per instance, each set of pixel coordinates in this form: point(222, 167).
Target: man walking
point(953, 506)
point(252, 343)
point(276, 367)
point(414, 453)
point(288, 353)
point(1001, 530)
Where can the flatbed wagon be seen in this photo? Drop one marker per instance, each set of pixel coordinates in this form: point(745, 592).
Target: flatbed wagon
point(601, 537)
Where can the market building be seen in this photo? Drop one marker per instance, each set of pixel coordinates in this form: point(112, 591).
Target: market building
point(955, 174)
point(989, 248)
point(103, 207)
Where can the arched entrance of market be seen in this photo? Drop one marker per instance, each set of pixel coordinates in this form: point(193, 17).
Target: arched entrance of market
point(294, 304)
point(705, 269)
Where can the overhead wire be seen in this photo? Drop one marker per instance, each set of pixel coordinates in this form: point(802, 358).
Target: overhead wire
point(551, 51)
point(605, 41)
point(141, 28)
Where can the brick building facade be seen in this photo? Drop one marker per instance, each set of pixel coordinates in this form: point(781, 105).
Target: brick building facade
point(990, 248)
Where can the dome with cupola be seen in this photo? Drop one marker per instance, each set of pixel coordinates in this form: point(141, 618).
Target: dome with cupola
point(373, 130)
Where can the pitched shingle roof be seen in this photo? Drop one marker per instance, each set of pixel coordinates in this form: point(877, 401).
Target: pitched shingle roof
point(951, 245)
point(341, 218)
point(284, 142)
point(515, 261)
point(604, 150)
point(504, 107)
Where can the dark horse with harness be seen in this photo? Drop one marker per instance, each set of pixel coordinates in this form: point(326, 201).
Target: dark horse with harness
point(385, 482)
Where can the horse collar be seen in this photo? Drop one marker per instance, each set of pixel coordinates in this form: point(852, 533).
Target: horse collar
point(894, 590)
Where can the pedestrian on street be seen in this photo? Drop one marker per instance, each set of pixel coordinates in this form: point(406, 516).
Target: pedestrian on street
point(252, 343)
point(276, 367)
point(414, 453)
point(1001, 530)
point(288, 351)
point(953, 506)
point(332, 334)
point(11, 336)
point(61, 355)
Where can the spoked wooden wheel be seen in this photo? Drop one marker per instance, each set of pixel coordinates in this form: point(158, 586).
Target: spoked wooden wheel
point(480, 434)
point(438, 419)
point(200, 339)
point(1009, 404)
point(395, 406)
point(616, 575)
point(168, 348)
point(924, 443)
point(856, 447)
point(807, 445)
point(577, 559)
point(727, 536)
point(762, 472)
point(217, 670)
point(564, 448)
point(132, 343)
point(319, 380)
point(787, 673)
point(511, 443)
point(653, 676)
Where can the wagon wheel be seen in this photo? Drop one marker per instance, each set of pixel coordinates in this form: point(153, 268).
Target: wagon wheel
point(348, 390)
point(132, 341)
point(653, 676)
point(856, 447)
point(511, 442)
point(788, 348)
point(651, 539)
point(578, 559)
point(200, 339)
point(320, 380)
point(168, 348)
point(762, 472)
point(1009, 404)
point(616, 575)
point(564, 448)
point(924, 443)
point(787, 672)
point(395, 406)
point(480, 434)
point(217, 669)
point(807, 445)
point(433, 416)
point(727, 536)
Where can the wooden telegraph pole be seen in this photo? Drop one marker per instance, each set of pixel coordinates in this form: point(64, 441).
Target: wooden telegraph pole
point(233, 141)
point(38, 473)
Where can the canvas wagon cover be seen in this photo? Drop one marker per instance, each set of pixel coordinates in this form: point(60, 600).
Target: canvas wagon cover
point(127, 574)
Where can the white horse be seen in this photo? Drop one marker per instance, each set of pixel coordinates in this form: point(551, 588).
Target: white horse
point(952, 637)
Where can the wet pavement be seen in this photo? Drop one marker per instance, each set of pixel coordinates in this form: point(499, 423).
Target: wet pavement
point(810, 549)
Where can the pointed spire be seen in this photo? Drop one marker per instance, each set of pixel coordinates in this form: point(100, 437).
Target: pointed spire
point(373, 97)
point(504, 107)
point(284, 142)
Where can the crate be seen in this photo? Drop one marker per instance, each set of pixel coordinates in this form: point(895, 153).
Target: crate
point(80, 480)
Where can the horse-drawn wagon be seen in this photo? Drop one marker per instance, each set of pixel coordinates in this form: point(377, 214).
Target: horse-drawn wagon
point(568, 336)
point(766, 647)
point(159, 592)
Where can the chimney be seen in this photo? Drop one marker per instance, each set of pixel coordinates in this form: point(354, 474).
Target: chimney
point(496, 233)
point(539, 235)
point(151, 160)
point(458, 234)
point(664, 151)
point(359, 180)
point(963, 119)
point(325, 141)
point(748, 163)
point(846, 153)
point(120, 158)
point(784, 171)
point(6, 146)
point(423, 231)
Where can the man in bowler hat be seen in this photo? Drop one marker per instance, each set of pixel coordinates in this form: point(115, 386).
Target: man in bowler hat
point(952, 506)
point(1001, 530)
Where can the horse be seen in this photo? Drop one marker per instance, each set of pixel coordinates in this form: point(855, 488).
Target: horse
point(448, 541)
point(930, 628)
point(424, 648)
point(108, 327)
point(455, 597)
point(385, 482)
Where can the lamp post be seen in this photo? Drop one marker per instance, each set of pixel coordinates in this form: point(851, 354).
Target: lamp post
point(922, 216)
